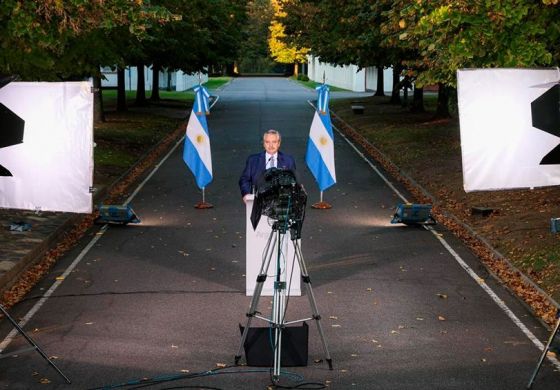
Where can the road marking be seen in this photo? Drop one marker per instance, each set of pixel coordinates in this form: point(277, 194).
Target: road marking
point(10, 337)
point(501, 304)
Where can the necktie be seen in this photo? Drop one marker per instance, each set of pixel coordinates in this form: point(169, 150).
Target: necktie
point(272, 162)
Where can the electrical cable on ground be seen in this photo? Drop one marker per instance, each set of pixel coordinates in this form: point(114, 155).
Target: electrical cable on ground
point(146, 382)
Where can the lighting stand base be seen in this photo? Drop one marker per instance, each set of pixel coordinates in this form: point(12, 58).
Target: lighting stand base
point(203, 205)
point(321, 205)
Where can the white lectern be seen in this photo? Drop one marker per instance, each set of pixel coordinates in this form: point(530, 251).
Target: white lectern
point(256, 240)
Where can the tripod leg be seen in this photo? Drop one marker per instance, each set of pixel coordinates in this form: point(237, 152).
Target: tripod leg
point(312, 303)
point(279, 307)
point(261, 278)
point(35, 346)
point(545, 351)
point(277, 320)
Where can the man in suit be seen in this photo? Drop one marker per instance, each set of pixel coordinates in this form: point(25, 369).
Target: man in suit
point(256, 164)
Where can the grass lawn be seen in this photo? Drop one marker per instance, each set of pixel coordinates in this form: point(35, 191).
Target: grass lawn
point(125, 136)
point(312, 84)
point(110, 95)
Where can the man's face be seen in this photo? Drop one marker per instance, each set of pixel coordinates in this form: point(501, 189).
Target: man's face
point(271, 143)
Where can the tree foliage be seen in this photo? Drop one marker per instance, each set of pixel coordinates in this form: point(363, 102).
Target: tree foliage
point(429, 39)
point(64, 39)
point(452, 34)
point(280, 50)
point(254, 53)
point(52, 39)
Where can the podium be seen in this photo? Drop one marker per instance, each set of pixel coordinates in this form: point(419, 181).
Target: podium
point(256, 240)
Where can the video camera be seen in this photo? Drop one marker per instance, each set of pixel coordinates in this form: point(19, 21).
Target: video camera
point(280, 197)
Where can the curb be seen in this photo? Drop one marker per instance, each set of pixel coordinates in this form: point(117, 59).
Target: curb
point(11, 277)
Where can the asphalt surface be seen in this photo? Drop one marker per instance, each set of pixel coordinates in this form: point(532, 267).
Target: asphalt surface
point(165, 298)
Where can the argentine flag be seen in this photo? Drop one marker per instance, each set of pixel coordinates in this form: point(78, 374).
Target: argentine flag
point(320, 147)
point(196, 152)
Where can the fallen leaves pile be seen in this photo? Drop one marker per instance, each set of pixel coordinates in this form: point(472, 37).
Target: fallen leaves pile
point(496, 264)
point(117, 193)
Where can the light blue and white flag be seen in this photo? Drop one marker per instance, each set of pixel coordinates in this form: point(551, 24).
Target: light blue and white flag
point(320, 146)
point(196, 152)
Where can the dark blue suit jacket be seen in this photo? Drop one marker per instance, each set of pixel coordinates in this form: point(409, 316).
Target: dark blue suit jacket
point(256, 165)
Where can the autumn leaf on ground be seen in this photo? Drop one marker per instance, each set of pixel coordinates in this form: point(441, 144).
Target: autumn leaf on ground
point(442, 296)
point(441, 318)
point(221, 365)
point(44, 381)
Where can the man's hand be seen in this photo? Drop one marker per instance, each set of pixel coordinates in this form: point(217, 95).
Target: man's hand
point(246, 198)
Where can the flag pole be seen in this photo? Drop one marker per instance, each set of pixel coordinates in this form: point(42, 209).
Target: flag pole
point(321, 205)
point(203, 204)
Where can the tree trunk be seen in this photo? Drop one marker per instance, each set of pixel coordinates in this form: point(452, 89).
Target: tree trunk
point(155, 83)
point(296, 69)
point(418, 100)
point(380, 82)
point(121, 93)
point(396, 93)
point(168, 81)
point(98, 113)
point(442, 110)
point(140, 86)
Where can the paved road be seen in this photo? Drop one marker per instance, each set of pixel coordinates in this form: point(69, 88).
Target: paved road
point(166, 296)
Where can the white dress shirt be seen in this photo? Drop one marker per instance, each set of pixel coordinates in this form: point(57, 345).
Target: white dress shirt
point(271, 160)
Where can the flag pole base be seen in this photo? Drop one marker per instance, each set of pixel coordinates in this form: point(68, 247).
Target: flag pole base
point(203, 205)
point(321, 205)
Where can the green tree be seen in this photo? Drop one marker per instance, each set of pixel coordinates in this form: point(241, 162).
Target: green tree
point(341, 32)
point(38, 37)
point(254, 54)
point(207, 35)
point(480, 34)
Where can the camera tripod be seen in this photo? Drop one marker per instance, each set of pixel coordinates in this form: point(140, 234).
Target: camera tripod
point(277, 322)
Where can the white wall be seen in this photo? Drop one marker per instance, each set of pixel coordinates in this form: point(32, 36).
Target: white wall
point(371, 79)
point(186, 81)
point(179, 81)
point(348, 76)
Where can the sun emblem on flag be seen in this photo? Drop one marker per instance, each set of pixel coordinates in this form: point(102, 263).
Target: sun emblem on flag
point(200, 138)
point(323, 141)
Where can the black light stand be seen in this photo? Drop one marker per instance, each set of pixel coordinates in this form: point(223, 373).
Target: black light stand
point(545, 350)
point(30, 341)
